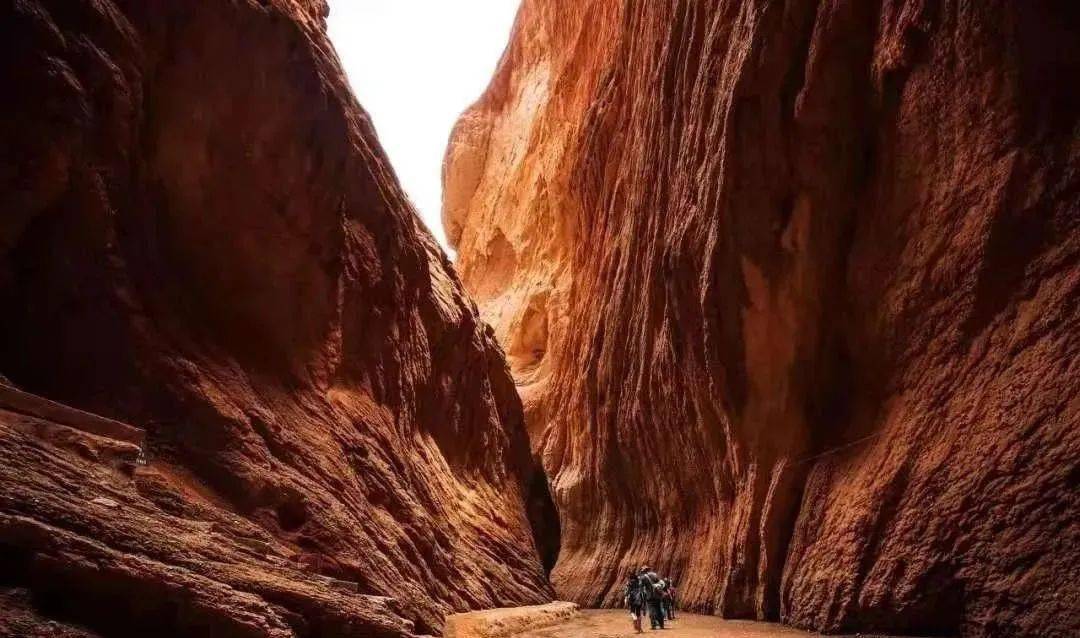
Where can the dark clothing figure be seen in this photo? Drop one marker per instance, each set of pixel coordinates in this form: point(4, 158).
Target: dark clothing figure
point(656, 614)
point(654, 596)
point(669, 599)
point(635, 600)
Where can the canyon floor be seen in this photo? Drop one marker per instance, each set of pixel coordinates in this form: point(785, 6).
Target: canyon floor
point(779, 298)
point(612, 623)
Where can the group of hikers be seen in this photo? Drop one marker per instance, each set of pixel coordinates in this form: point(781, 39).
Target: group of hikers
point(645, 589)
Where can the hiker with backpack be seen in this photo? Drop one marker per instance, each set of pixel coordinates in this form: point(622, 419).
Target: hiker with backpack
point(634, 599)
point(654, 596)
point(669, 598)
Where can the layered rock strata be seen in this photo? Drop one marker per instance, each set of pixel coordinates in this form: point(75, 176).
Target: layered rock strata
point(791, 292)
point(202, 240)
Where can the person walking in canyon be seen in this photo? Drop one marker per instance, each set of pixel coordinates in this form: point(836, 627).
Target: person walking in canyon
point(652, 586)
point(634, 598)
point(669, 598)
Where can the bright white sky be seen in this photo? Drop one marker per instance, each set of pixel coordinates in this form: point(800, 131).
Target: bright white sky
point(415, 65)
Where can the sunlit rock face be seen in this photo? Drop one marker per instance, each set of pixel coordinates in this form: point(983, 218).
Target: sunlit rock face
point(790, 292)
point(202, 237)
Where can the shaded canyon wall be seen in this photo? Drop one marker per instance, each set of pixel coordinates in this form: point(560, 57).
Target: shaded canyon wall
point(202, 238)
point(790, 292)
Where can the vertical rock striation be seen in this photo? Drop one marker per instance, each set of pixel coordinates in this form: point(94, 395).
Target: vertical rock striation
point(202, 237)
point(791, 292)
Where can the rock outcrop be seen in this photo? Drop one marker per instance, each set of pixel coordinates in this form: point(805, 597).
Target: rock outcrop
point(791, 292)
point(203, 241)
point(508, 622)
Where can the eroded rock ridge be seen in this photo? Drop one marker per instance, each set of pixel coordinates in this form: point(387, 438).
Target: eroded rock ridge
point(791, 293)
point(307, 430)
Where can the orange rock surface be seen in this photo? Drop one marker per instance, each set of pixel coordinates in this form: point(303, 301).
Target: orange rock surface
point(791, 293)
point(202, 238)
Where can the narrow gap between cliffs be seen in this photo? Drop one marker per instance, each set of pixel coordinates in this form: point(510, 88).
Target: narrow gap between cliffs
point(414, 94)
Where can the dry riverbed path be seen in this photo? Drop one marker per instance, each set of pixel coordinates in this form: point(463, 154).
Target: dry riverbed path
point(565, 620)
point(609, 623)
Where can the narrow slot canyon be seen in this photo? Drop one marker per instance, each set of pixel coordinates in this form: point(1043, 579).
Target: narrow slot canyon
point(780, 298)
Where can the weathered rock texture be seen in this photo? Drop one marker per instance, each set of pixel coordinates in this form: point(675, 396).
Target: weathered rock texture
point(791, 292)
point(508, 622)
point(201, 237)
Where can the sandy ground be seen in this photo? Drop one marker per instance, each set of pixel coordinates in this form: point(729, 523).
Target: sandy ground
point(507, 621)
point(607, 623)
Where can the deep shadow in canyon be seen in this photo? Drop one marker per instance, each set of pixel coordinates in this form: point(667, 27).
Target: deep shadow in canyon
point(203, 239)
point(782, 296)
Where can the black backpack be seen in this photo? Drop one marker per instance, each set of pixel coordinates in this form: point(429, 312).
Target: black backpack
point(652, 585)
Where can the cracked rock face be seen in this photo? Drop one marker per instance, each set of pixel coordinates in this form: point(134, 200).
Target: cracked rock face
point(791, 294)
point(202, 238)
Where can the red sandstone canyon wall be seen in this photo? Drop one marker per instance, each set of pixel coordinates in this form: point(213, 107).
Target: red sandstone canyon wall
point(202, 238)
point(791, 293)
